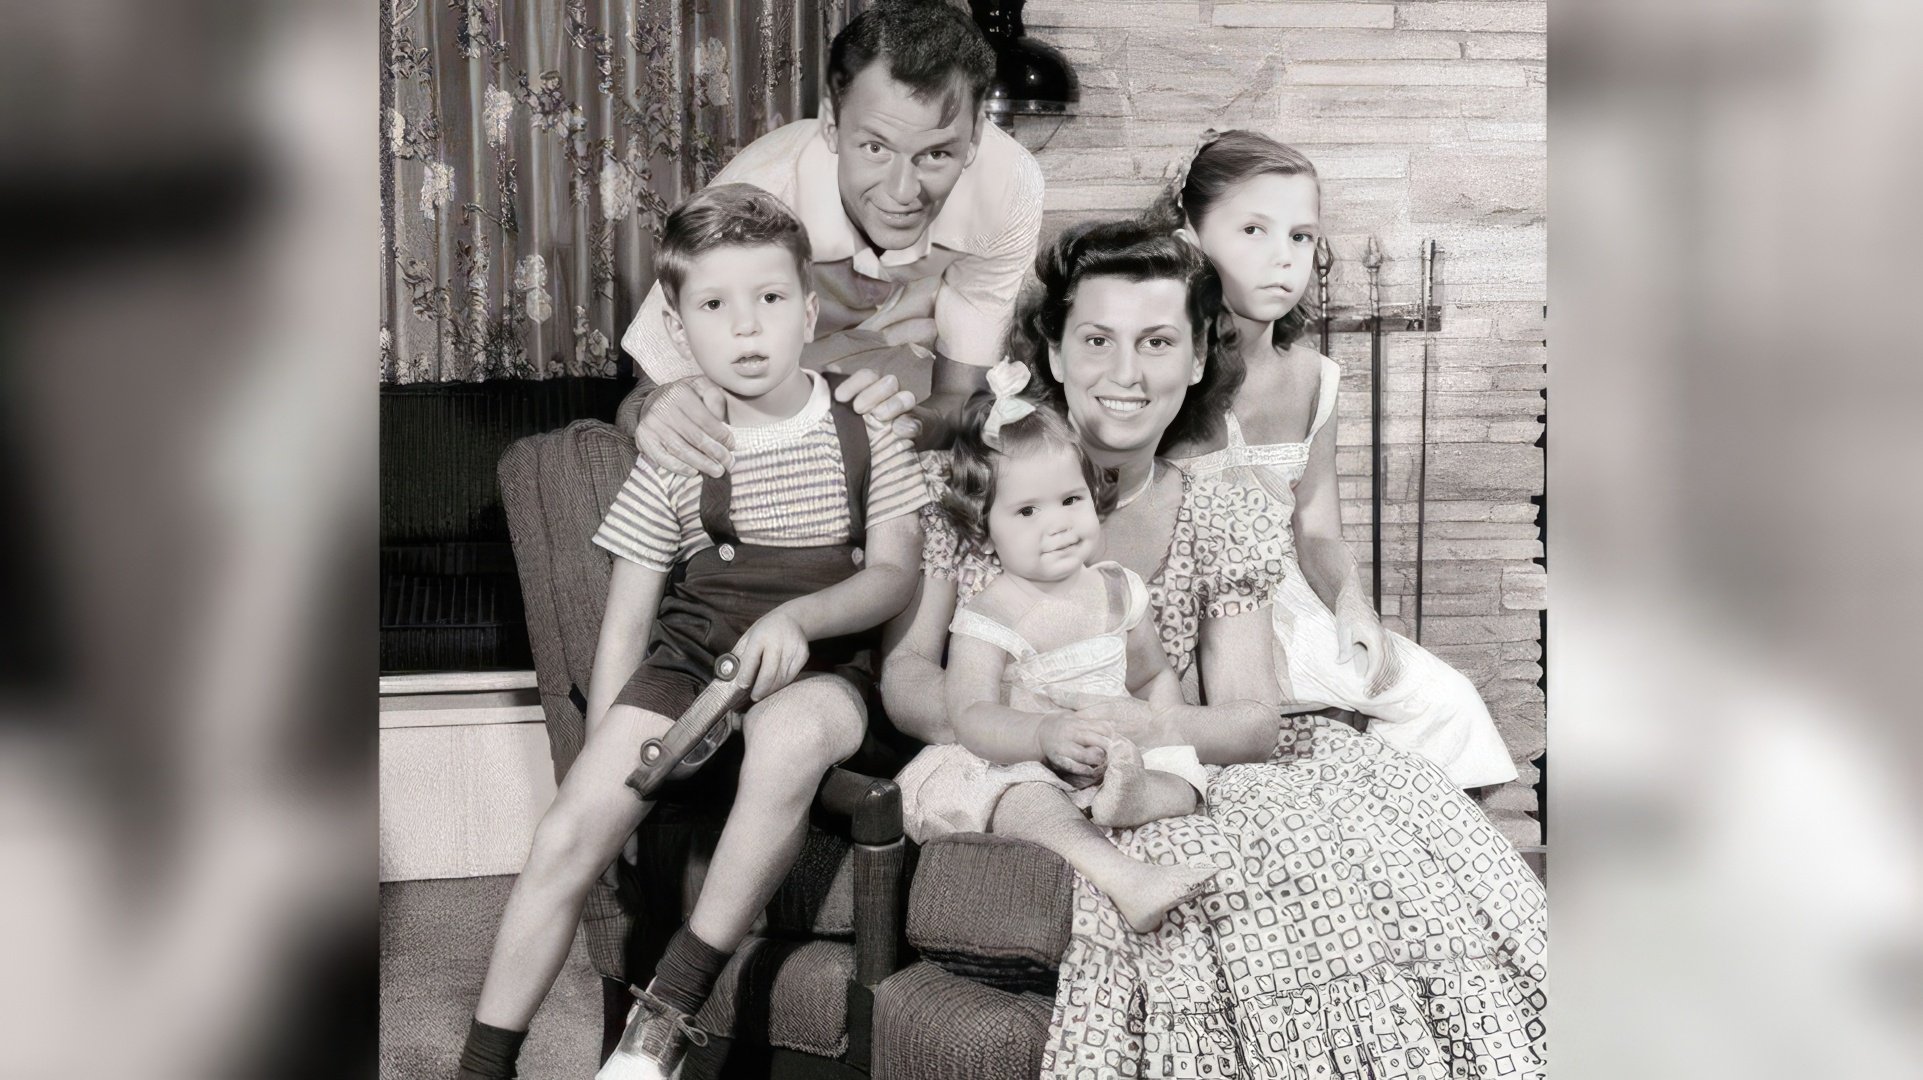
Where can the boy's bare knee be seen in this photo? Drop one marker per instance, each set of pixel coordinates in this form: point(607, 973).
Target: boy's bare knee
point(560, 841)
point(570, 844)
point(818, 720)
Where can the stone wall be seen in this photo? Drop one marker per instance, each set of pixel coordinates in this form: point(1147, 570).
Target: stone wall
point(1426, 120)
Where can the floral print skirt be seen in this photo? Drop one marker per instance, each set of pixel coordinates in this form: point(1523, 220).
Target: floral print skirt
point(1367, 923)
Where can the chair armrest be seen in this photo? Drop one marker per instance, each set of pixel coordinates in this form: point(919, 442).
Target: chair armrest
point(873, 808)
point(992, 908)
point(871, 805)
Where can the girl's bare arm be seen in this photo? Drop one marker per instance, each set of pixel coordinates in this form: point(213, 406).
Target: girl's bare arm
point(1327, 563)
point(1149, 675)
point(1330, 567)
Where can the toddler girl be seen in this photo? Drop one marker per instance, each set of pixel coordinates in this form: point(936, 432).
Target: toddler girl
point(1050, 631)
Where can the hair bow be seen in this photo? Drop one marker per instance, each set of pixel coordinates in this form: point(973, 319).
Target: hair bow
point(1181, 181)
point(1007, 379)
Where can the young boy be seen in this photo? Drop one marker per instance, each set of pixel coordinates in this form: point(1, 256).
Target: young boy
point(789, 560)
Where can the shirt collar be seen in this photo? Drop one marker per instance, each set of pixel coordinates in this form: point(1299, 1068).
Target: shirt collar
point(763, 436)
point(834, 238)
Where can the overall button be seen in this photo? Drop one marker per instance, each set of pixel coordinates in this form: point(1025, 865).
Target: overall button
point(857, 556)
point(726, 551)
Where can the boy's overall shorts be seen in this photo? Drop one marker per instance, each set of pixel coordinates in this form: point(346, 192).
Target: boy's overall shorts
point(714, 596)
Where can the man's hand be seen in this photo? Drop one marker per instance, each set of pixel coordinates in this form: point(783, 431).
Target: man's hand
point(1129, 718)
point(881, 396)
point(681, 429)
point(1072, 744)
point(771, 653)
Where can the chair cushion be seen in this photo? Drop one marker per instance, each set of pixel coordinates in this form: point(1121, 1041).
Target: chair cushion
point(783, 993)
point(931, 1024)
point(818, 896)
point(993, 909)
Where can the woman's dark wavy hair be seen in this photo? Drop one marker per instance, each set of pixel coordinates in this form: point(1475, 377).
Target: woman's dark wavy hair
point(971, 481)
point(1134, 249)
point(1221, 162)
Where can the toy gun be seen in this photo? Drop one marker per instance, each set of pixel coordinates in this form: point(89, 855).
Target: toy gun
point(710, 721)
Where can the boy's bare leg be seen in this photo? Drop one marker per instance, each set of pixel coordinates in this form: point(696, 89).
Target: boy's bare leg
point(1143, 892)
point(792, 738)
point(581, 833)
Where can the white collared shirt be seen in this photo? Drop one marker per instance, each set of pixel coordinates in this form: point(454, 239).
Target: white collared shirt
point(953, 292)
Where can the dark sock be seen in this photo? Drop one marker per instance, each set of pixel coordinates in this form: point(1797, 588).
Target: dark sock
point(490, 1052)
point(687, 972)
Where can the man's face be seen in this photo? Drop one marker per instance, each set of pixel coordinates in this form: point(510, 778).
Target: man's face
point(897, 156)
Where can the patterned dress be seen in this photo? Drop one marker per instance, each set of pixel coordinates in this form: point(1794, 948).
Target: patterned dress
point(1367, 921)
point(1431, 709)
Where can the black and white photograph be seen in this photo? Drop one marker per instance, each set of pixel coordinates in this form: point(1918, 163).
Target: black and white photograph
point(960, 540)
point(936, 540)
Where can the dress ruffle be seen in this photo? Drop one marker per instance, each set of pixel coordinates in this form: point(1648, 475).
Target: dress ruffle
point(1367, 921)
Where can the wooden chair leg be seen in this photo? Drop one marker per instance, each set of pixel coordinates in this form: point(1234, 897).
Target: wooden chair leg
point(615, 1004)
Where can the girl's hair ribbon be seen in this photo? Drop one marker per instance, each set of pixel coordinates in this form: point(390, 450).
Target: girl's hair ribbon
point(1007, 379)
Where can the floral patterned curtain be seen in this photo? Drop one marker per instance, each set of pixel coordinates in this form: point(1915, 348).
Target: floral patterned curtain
point(530, 150)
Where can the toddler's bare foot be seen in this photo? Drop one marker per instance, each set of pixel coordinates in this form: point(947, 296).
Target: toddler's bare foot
point(1118, 804)
point(1155, 889)
point(1132, 795)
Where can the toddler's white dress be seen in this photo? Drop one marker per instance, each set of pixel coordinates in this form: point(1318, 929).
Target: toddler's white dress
point(947, 789)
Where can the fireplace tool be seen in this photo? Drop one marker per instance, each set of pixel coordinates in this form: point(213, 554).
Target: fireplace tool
point(1324, 261)
point(1372, 261)
point(1422, 450)
point(709, 721)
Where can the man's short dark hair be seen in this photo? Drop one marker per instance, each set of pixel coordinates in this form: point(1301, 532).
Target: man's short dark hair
point(931, 47)
point(727, 215)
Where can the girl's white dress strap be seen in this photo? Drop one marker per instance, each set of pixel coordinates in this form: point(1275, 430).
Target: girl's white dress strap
point(1135, 603)
point(970, 623)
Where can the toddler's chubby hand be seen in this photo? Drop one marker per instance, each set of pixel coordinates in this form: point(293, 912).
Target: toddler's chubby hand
point(1127, 717)
point(1073, 745)
point(771, 653)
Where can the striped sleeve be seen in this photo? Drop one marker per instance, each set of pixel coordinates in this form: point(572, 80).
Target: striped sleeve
point(895, 485)
point(642, 525)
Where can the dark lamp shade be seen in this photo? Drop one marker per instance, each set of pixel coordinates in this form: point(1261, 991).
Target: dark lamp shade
point(1031, 79)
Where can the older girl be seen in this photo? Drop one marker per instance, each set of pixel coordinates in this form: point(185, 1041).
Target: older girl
point(1253, 206)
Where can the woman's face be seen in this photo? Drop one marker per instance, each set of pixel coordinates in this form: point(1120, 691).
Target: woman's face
point(1126, 361)
point(1260, 237)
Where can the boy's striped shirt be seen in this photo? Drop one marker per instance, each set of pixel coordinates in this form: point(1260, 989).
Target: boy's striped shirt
point(789, 490)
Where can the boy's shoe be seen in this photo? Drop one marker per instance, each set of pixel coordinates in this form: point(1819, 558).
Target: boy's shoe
point(656, 1040)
